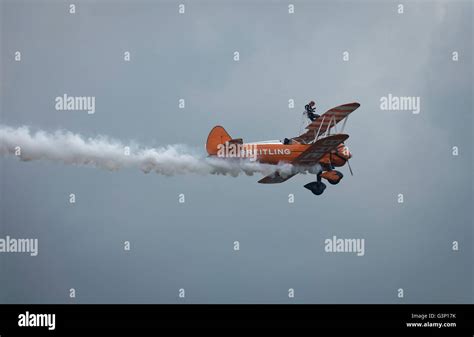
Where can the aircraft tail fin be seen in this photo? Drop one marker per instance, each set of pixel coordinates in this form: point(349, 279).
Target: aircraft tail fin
point(218, 135)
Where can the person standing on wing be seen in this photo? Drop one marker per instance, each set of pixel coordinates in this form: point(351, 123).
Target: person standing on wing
point(310, 111)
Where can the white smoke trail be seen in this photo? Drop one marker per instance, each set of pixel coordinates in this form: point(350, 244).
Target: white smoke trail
point(105, 153)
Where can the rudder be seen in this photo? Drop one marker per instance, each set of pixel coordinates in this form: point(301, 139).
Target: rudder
point(218, 135)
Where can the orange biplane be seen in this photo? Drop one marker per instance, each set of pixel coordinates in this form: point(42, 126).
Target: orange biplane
point(319, 150)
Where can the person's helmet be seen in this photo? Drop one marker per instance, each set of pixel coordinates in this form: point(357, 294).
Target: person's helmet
point(312, 103)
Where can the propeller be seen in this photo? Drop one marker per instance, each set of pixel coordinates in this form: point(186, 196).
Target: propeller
point(350, 168)
point(348, 164)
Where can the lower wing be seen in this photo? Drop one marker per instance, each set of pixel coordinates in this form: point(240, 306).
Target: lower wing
point(309, 158)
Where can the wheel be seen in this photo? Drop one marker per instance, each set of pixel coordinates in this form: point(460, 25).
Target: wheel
point(335, 182)
point(317, 187)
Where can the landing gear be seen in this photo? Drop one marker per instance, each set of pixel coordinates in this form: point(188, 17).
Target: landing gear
point(317, 187)
point(333, 176)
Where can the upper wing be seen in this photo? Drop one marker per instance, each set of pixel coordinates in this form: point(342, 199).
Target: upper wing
point(309, 157)
point(326, 121)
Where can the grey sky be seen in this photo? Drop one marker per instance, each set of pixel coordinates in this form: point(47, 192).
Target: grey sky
point(282, 56)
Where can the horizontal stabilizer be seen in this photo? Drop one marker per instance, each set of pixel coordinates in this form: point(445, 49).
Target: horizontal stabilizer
point(275, 178)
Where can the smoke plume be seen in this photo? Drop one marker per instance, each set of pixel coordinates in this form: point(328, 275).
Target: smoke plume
point(109, 154)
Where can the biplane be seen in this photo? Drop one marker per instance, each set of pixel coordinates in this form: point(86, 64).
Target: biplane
point(319, 150)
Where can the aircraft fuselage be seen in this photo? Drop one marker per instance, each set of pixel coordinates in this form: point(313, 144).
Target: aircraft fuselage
point(274, 153)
